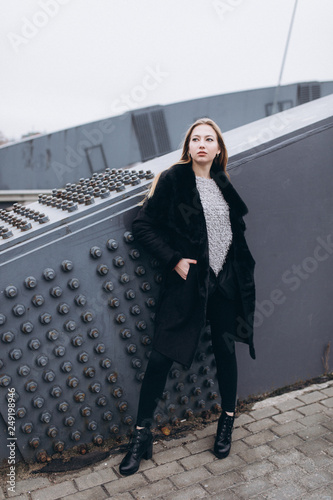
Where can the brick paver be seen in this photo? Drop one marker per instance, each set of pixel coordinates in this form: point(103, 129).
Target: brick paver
point(282, 449)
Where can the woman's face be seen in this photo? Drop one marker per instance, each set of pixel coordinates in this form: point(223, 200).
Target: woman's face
point(203, 145)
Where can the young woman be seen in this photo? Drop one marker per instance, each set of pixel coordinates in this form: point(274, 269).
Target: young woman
point(192, 222)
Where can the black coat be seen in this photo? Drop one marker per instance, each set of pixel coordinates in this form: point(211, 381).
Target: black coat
point(171, 225)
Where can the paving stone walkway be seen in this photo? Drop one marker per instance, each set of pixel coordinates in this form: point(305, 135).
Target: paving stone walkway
point(282, 449)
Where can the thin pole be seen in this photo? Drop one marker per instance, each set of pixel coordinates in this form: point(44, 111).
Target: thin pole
point(277, 90)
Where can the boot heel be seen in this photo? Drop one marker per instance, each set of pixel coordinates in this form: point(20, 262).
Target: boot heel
point(149, 453)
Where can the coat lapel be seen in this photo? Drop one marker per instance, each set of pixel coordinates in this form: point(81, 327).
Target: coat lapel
point(187, 216)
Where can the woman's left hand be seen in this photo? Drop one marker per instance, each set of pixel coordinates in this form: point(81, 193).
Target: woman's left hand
point(183, 267)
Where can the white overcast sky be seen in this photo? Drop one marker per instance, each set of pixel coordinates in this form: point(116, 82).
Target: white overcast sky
point(68, 62)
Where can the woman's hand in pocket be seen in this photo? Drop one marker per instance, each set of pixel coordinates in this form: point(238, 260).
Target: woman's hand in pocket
point(183, 267)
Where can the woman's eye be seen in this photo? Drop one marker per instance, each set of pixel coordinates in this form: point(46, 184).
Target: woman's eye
point(210, 139)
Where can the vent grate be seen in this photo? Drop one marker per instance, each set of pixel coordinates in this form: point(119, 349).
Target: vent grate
point(308, 92)
point(152, 133)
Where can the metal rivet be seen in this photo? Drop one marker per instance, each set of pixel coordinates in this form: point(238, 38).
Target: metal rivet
point(114, 429)
point(7, 337)
point(27, 428)
point(86, 411)
point(135, 310)
point(49, 274)
point(31, 386)
point(96, 252)
point(83, 357)
point(112, 244)
point(87, 317)
point(123, 406)
point(80, 300)
point(73, 283)
point(45, 318)
point(72, 381)
point(49, 376)
point(70, 326)
point(59, 446)
point(66, 367)
point(120, 318)
point(63, 406)
point(42, 360)
point(145, 286)
point(118, 261)
point(136, 363)
point(15, 354)
point(30, 282)
point(34, 442)
point(79, 396)
point(67, 265)
point(92, 426)
point(19, 309)
point(89, 372)
point(93, 333)
point(175, 373)
point(141, 325)
point(46, 417)
point(108, 286)
point(56, 391)
point(124, 278)
point(107, 416)
point(52, 431)
point(5, 380)
point(38, 402)
point(95, 387)
point(114, 302)
point(37, 300)
point(59, 351)
point(127, 420)
point(125, 333)
point(131, 349)
point(134, 253)
point(101, 401)
point(21, 412)
point(69, 421)
point(146, 340)
point(2, 319)
point(23, 370)
point(140, 271)
point(105, 363)
point(63, 308)
point(77, 341)
point(27, 327)
point(99, 348)
point(52, 334)
point(34, 344)
point(128, 237)
point(102, 269)
point(11, 291)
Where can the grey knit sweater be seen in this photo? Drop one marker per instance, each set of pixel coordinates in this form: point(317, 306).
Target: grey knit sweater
point(216, 211)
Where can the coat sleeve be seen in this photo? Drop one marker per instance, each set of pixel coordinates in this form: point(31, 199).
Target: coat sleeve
point(150, 226)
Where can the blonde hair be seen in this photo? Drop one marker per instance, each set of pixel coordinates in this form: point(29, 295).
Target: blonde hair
point(221, 160)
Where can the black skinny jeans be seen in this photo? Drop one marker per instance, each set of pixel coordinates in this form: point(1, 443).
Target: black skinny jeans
point(221, 313)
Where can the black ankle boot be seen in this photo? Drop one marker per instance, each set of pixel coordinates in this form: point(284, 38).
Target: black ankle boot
point(223, 436)
point(141, 446)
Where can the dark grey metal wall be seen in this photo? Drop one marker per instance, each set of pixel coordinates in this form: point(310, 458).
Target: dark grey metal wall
point(78, 293)
point(137, 135)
